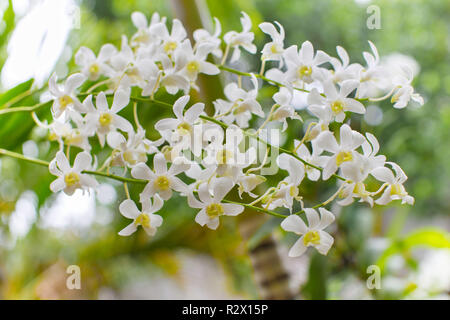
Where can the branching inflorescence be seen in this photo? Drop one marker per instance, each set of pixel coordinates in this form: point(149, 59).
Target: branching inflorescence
point(215, 154)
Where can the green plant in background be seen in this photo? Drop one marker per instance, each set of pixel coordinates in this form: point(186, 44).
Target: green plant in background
point(102, 252)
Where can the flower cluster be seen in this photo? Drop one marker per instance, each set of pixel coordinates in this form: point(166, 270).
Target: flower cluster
point(204, 157)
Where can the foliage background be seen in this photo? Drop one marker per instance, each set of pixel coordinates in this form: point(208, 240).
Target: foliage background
point(410, 244)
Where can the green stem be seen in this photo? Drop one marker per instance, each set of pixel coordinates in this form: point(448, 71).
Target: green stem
point(46, 164)
point(272, 213)
point(279, 84)
point(122, 179)
point(25, 108)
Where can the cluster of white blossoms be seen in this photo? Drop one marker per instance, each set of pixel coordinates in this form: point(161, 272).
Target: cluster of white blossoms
point(205, 157)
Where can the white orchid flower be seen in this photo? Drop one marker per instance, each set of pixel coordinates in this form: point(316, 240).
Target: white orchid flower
point(146, 218)
point(172, 40)
point(180, 130)
point(66, 97)
point(273, 50)
point(211, 204)
point(101, 119)
point(71, 178)
point(404, 92)
point(303, 64)
point(93, 67)
point(313, 157)
point(355, 173)
point(202, 36)
point(242, 39)
point(395, 189)
point(342, 152)
point(145, 33)
point(337, 101)
point(372, 77)
point(311, 235)
point(195, 61)
point(287, 190)
point(240, 106)
point(342, 69)
point(285, 108)
point(162, 180)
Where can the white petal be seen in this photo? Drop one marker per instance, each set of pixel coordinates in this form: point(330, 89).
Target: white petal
point(156, 220)
point(294, 223)
point(208, 68)
point(179, 105)
point(298, 248)
point(58, 184)
point(202, 218)
point(313, 218)
point(326, 218)
point(167, 124)
point(327, 141)
point(194, 112)
point(82, 161)
point(354, 106)
point(221, 187)
point(115, 139)
point(139, 20)
point(129, 209)
point(213, 223)
point(383, 174)
point(120, 101)
point(142, 171)
point(178, 185)
point(73, 82)
point(326, 241)
point(160, 164)
point(62, 161)
point(128, 230)
point(231, 209)
point(203, 193)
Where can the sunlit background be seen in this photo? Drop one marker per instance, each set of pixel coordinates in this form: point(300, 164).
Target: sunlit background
point(43, 233)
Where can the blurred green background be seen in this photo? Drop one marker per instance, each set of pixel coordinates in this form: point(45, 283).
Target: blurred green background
point(42, 233)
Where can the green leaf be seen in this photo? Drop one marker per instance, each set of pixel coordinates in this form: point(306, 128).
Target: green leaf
point(427, 237)
point(15, 92)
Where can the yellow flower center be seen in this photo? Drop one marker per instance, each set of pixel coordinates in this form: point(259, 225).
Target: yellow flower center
point(304, 71)
point(170, 46)
point(52, 136)
point(73, 138)
point(223, 156)
point(337, 106)
point(184, 128)
point(214, 210)
point(343, 156)
point(105, 119)
point(64, 101)
point(274, 48)
point(129, 157)
point(360, 189)
point(71, 179)
point(193, 67)
point(240, 109)
point(293, 191)
point(143, 220)
point(395, 98)
point(397, 190)
point(311, 237)
point(94, 68)
point(162, 183)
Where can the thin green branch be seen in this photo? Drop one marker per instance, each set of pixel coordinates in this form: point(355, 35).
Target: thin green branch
point(260, 76)
point(272, 213)
point(46, 164)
